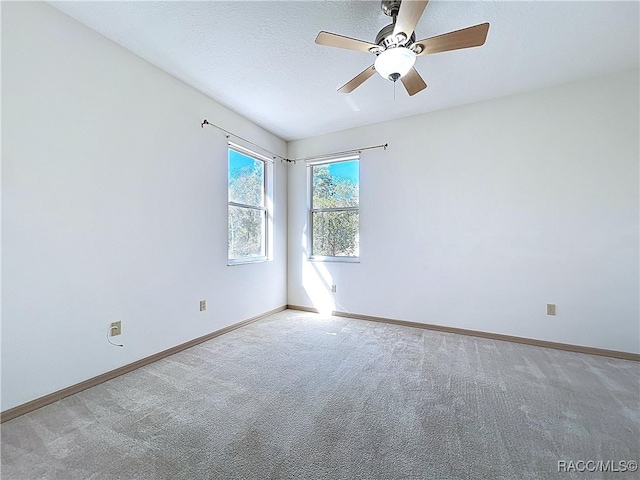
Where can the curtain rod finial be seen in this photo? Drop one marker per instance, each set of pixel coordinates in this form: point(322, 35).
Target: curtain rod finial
point(204, 122)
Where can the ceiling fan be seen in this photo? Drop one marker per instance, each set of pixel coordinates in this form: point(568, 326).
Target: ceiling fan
point(396, 47)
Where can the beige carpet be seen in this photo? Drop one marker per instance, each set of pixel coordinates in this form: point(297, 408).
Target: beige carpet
point(297, 395)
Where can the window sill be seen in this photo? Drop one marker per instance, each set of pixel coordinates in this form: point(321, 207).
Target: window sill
point(317, 258)
point(233, 263)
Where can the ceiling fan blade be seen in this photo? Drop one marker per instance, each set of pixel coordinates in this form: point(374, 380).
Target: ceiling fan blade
point(465, 38)
point(413, 82)
point(408, 16)
point(358, 80)
point(339, 41)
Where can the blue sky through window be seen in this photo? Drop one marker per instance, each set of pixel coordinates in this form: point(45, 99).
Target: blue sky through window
point(346, 169)
point(237, 161)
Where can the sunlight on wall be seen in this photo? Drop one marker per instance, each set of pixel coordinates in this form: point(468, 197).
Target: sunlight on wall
point(317, 282)
point(269, 205)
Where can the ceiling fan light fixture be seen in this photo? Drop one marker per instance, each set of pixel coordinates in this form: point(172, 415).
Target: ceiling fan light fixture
point(393, 63)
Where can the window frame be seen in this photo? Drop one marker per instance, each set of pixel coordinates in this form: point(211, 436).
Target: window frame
point(262, 208)
point(311, 210)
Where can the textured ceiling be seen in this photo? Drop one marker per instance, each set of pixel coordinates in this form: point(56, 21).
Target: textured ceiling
point(259, 58)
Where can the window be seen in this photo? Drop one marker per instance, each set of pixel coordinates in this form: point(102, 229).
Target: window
point(334, 212)
point(247, 228)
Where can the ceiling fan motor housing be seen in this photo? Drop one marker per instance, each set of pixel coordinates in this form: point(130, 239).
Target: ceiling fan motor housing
point(386, 39)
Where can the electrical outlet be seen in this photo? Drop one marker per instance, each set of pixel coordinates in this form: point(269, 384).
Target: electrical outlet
point(116, 328)
point(203, 305)
point(334, 288)
point(551, 309)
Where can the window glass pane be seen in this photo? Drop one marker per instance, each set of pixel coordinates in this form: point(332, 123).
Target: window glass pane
point(246, 179)
point(246, 232)
point(336, 185)
point(335, 234)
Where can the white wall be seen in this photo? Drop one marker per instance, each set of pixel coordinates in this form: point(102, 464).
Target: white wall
point(114, 208)
point(478, 216)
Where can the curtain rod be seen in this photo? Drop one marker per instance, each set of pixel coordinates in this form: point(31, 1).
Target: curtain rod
point(336, 154)
point(294, 160)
